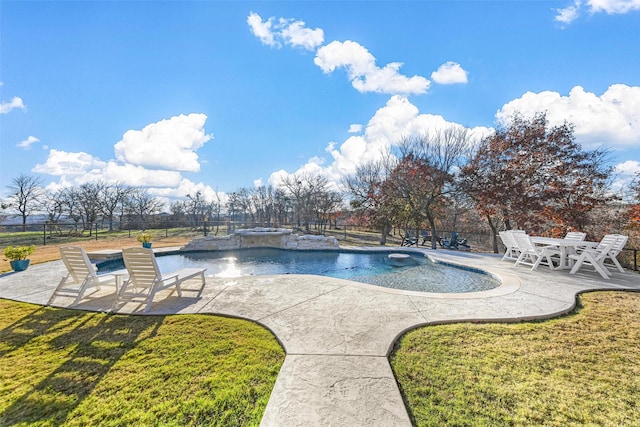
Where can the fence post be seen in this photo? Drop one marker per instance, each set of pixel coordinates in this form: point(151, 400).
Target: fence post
point(44, 234)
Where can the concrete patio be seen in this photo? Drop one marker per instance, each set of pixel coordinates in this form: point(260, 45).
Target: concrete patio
point(337, 334)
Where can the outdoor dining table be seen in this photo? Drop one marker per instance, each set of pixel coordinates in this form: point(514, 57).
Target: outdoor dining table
point(566, 247)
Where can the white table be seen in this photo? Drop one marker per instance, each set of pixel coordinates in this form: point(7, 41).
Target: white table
point(566, 247)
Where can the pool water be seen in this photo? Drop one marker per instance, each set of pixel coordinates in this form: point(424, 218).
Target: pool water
point(420, 273)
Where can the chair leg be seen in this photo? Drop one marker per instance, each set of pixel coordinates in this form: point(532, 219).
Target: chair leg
point(615, 261)
point(587, 257)
point(537, 263)
point(600, 268)
point(81, 290)
point(121, 291)
point(150, 300)
point(55, 291)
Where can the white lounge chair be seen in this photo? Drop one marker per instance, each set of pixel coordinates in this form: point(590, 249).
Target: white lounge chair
point(533, 255)
point(512, 252)
point(608, 248)
point(81, 276)
point(145, 278)
point(621, 242)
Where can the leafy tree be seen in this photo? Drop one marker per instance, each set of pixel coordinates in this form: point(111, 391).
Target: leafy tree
point(535, 177)
point(634, 209)
point(365, 189)
point(26, 192)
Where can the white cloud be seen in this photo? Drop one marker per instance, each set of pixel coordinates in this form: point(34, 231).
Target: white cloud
point(288, 31)
point(176, 137)
point(613, 6)
point(355, 128)
point(167, 144)
point(62, 163)
point(449, 73)
point(361, 66)
point(295, 34)
point(184, 187)
point(361, 69)
point(610, 7)
point(135, 175)
point(257, 182)
point(630, 167)
point(262, 29)
point(26, 144)
point(16, 102)
point(397, 119)
point(569, 13)
point(610, 120)
point(625, 174)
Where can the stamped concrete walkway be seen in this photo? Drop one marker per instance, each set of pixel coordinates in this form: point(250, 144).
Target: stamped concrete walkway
point(337, 334)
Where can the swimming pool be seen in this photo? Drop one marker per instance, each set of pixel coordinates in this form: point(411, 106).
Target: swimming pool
point(420, 273)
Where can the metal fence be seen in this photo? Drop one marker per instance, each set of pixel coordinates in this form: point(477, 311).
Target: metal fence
point(346, 234)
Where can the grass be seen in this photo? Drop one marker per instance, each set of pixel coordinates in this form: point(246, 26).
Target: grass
point(73, 368)
point(581, 369)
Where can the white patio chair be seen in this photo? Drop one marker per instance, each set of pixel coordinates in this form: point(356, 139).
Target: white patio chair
point(608, 249)
point(145, 278)
point(575, 235)
point(512, 252)
point(621, 242)
point(533, 255)
point(81, 275)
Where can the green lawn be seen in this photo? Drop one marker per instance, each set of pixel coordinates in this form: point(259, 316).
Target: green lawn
point(66, 367)
point(580, 369)
point(74, 368)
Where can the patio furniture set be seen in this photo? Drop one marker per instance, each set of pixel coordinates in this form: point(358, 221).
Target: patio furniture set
point(569, 253)
point(140, 283)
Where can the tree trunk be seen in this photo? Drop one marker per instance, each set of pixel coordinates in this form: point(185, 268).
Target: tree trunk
point(494, 236)
point(386, 229)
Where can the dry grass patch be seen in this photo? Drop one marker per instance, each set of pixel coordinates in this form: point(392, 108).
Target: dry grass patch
point(581, 369)
point(72, 368)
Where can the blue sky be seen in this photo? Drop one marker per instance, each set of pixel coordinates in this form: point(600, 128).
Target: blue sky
point(213, 96)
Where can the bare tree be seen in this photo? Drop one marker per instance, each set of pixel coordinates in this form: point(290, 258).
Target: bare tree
point(54, 205)
point(89, 198)
point(424, 175)
point(141, 204)
point(25, 196)
point(70, 199)
point(112, 198)
point(196, 207)
point(307, 193)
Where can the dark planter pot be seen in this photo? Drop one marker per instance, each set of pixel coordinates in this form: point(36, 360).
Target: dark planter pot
point(147, 245)
point(20, 265)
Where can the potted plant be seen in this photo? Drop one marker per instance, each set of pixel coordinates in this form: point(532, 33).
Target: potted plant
point(17, 256)
point(145, 238)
